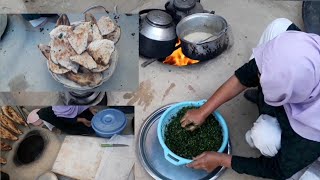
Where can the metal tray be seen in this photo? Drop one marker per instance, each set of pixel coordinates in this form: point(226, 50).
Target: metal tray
point(150, 154)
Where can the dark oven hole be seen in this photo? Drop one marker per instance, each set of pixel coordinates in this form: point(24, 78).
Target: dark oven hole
point(30, 148)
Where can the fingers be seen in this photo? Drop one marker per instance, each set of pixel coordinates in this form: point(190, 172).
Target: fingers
point(184, 118)
point(194, 164)
point(191, 128)
point(88, 124)
point(185, 121)
point(198, 164)
point(200, 156)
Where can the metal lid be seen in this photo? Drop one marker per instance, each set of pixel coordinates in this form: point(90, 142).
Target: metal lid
point(109, 121)
point(158, 17)
point(184, 4)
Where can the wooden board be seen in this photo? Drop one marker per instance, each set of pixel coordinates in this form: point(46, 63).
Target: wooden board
point(79, 157)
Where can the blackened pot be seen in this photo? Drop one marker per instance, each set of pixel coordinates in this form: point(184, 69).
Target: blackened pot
point(207, 23)
point(157, 34)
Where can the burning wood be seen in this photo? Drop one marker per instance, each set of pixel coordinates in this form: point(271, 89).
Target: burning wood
point(177, 58)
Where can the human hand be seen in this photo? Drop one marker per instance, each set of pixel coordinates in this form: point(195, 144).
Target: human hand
point(85, 122)
point(209, 161)
point(193, 119)
point(93, 110)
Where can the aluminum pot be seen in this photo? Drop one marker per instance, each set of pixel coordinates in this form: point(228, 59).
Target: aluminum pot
point(207, 23)
point(157, 34)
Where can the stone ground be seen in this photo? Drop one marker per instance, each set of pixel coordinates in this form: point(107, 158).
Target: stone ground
point(162, 84)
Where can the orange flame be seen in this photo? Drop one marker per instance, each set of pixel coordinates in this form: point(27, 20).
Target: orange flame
point(177, 58)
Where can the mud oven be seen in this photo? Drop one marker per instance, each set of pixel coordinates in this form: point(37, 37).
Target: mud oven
point(32, 155)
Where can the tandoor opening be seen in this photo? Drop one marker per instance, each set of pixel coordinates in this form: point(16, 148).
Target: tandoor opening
point(30, 148)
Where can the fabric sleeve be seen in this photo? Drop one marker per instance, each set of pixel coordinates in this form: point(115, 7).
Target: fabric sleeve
point(282, 166)
point(260, 167)
point(248, 74)
point(68, 120)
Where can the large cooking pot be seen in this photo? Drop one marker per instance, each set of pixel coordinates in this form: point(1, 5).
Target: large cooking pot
point(157, 34)
point(199, 27)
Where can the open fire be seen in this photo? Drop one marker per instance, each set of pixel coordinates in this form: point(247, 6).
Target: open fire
point(177, 58)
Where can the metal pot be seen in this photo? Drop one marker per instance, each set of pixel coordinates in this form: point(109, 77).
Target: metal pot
point(157, 34)
point(207, 23)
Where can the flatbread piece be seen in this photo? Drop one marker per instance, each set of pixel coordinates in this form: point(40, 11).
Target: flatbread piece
point(84, 60)
point(3, 160)
point(85, 78)
point(7, 123)
point(101, 51)
point(78, 39)
point(106, 25)
point(5, 147)
point(55, 68)
point(115, 35)
point(62, 31)
point(5, 134)
point(60, 53)
point(13, 115)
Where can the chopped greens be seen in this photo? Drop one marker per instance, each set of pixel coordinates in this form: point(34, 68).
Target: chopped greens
point(187, 144)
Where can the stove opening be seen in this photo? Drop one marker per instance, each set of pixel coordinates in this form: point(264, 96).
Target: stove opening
point(177, 58)
point(30, 148)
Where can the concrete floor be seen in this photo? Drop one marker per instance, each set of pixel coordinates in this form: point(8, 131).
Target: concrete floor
point(162, 84)
point(63, 6)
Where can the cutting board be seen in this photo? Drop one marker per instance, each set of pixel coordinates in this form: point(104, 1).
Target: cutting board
point(79, 157)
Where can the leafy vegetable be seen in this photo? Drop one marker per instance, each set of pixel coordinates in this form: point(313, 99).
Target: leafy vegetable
point(189, 144)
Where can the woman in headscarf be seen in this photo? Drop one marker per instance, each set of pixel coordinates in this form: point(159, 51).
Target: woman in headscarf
point(75, 120)
point(286, 69)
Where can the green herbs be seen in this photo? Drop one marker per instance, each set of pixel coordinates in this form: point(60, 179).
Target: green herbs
point(188, 144)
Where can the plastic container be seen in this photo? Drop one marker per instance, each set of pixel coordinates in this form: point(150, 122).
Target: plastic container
point(167, 116)
point(109, 122)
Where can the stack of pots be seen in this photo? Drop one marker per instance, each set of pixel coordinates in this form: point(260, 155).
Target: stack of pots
point(159, 35)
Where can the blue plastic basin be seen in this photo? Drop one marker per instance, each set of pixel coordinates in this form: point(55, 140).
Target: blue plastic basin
point(167, 116)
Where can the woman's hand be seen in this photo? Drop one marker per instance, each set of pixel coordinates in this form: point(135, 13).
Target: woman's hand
point(209, 161)
point(84, 121)
point(93, 110)
point(193, 119)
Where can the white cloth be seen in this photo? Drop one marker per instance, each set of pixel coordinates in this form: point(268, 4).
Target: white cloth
point(49, 126)
point(275, 28)
point(265, 135)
